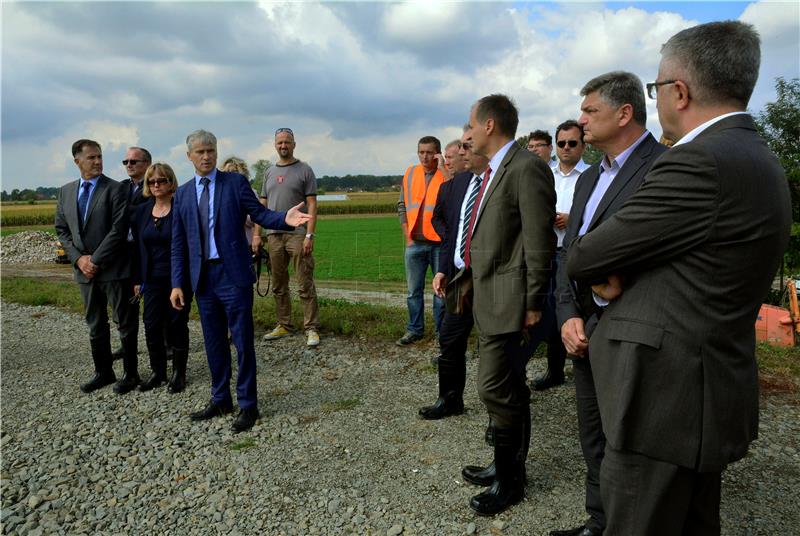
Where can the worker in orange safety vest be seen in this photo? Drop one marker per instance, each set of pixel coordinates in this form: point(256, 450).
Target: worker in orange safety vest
point(418, 193)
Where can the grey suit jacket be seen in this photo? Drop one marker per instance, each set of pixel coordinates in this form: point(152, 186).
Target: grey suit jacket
point(513, 243)
point(103, 235)
point(699, 244)
point(574, 300)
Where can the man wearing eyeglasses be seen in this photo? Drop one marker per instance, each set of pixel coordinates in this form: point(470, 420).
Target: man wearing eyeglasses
point(566, 170)
point(540, 143)
point(687, 262)
point(287, 183)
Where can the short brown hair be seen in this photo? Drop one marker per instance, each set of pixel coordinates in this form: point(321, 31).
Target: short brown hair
point(77, 147)
point(166, 171)
point(502, 110)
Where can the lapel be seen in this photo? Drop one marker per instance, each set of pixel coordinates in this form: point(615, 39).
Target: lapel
point(631, 167)
point(583, 190)
point(221, 183)
point(460, 188)
point(102, 184)
point(70, 203)
point(498, 178)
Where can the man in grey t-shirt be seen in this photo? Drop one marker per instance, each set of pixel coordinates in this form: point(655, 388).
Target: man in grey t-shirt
point(286, 184)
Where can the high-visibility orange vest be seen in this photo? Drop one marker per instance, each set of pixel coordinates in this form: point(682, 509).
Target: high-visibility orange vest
point(419, 200)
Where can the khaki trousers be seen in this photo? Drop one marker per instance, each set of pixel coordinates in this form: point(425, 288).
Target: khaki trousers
point(283, 248)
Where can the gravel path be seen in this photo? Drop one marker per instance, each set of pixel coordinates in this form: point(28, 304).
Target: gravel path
point(338, 450)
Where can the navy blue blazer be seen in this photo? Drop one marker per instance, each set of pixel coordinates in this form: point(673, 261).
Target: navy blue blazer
point(234, 200)
point(445, 218)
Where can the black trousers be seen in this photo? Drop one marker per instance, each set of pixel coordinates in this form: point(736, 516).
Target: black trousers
point(160, 317)
point(642, 495)
point(454, 338)
point(592, 440)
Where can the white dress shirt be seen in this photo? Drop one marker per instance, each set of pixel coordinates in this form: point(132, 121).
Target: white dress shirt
point(565, 188)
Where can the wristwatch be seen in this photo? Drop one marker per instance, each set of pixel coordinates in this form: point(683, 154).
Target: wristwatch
point(310, 235)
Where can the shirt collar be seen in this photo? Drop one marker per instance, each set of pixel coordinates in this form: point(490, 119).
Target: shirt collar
point(497, 159)
point(692, 134)
point(93, 180)
point(580, 167)
point(211, 177)
point(622, 157)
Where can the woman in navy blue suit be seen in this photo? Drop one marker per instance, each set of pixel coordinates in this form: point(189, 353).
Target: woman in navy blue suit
point(152, 232)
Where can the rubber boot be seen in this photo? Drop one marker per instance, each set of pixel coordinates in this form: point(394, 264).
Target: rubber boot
point(452, 377)
point(508, 487)
point(103, 371)
point(158, 365)
point(130, 377)
point(177, 383)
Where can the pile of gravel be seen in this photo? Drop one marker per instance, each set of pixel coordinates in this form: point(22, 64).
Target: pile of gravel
point(338, 450)
point(28, 247)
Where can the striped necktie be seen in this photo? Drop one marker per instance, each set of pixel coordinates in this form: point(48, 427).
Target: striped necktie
point(473, 204)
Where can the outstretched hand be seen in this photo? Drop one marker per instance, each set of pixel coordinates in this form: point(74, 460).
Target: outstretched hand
point(295, 218)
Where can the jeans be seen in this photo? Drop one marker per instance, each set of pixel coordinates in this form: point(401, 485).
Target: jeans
point(418, 257)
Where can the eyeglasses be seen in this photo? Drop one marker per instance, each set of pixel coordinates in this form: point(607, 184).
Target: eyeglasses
point(284, 129)
point(132, 162)
point(652, 87)
point(539, 145)
point(562, 143)
point(466, 146)
point(153, 182)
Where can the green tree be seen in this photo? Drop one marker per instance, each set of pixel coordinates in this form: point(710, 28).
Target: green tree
point(592, 154)
point(259, 170)
point(779, 124)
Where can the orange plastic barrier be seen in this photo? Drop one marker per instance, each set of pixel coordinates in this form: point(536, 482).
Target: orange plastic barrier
point(774, 325)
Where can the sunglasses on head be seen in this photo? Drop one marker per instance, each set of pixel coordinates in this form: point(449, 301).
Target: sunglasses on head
point(153, 182)
point(284, 129)
point(571, 143)
point(131, 162)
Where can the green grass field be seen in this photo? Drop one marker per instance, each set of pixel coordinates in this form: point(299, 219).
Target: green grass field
point(363, 249)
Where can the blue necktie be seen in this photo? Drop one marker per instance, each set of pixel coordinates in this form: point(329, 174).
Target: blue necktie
point(83, 200)
point(202, 208)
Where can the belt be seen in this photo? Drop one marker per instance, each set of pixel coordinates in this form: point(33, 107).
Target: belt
point(213, 261)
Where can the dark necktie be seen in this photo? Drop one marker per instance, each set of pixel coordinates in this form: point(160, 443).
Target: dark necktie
point(202, 208)
point(474, 215)
point(83, 200)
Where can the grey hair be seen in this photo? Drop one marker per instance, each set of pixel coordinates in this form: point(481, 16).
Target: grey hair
point(238, 164)
point(202, 136)
point(465, 127)
point(720, 61)
point(618, 88)
point(454, 143)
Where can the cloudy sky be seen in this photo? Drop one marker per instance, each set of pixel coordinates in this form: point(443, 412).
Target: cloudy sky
point(359, 82)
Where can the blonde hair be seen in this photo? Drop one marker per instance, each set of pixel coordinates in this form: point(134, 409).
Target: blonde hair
point(166, 171)
point(237, 164)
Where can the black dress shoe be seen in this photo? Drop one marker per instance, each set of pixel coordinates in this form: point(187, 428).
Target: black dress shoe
point(128, 383)
point(480, 476)
point(100, 379)
point(443, 407)
point(245, 420)
point(155, 380)
point(583, 530)
point(547, 381)
point(212, 410)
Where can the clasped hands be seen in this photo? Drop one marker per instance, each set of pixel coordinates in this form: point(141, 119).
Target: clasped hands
point(87, 267)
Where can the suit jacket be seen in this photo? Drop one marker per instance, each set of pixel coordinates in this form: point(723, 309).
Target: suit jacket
point(699, 244)
point(445, 219)
point(234, 200)
point(138, 198)
point(104, 233)
point(140, 262)
point(573, 300)
point(513, 243)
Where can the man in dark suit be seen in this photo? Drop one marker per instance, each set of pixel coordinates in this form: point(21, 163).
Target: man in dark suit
point(613, 119)
point(208, 236)
point(136, 162)
point(92, 224)
point(508, 248)
point(450, 220)
point(686, 263)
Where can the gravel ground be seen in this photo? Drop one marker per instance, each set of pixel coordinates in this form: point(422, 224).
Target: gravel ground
point(28, 247)
point(338, 450)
